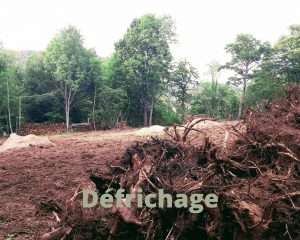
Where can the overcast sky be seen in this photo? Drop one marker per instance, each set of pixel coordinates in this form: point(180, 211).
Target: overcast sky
point(204, 27)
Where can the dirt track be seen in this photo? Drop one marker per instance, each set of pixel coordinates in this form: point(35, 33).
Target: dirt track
point(37, 180)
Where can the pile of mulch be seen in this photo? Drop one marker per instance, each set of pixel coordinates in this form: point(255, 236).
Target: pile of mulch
point(256, 177)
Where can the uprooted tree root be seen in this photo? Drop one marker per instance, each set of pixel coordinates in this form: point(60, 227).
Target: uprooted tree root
point(257, 180)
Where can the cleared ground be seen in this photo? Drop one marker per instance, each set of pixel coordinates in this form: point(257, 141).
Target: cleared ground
point(35, 181)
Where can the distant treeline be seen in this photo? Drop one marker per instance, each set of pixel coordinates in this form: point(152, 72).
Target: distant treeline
point(140, 82)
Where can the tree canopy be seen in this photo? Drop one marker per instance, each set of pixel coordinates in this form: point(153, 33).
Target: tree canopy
point(140, 82)
point(246, 55)
point(145, 53)
point(71, 64)
point(183, 79)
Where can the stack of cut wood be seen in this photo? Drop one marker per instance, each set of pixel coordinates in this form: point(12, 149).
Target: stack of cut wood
point(42, 129)
point(81, 127)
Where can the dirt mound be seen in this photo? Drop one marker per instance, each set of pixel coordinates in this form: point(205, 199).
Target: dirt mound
point(148, 131)
point(207, 123)
point(15, 141)
point(256, 178)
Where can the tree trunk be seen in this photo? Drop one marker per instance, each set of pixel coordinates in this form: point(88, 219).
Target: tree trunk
point(151, 112)
point(94, 104)
point(183, 96)
point(68, 103)
point(8, 106)
point(145, 112)
point(182, 111)
point(20, 113)
point(242, 101)
point(152, 103)
point(67, 114)
point(67, 96)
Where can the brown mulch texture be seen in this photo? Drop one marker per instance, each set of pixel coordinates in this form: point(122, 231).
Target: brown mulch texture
point(254, 170)
point(35, 182)
point(253, 166)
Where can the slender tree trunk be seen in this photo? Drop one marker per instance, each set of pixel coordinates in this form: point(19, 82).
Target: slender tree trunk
point(94, 105)
point(67, 114)
point(68, 96)
point(151, 113)
point(183, 95)
point(182, 111)
point(145, 105)
point(242, 101)
point(17, 126)
point(67, 110)
point(8, 106)
point(20, 113)
point(152, 104)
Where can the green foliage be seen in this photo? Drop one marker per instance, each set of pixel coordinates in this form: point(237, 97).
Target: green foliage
point(263, 89)
point(54, 117)
point(214, 70)
point(2, 90)
point(113, 73)
point(145, 54)
point(265, 85)
point(37, 79)
point(282, 67)
point(140, 82)
point(213, 103)
point(66, 57)
point(246, 54)
point(165, 114)
point(287, 56)
point(183, 78)
point(40, 101)
point(92, 73)
point(110, 103)
point(75, 69)
point(11, 87)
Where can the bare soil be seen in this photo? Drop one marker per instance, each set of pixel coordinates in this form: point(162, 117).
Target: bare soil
point(253, 166)
point(36, 181)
